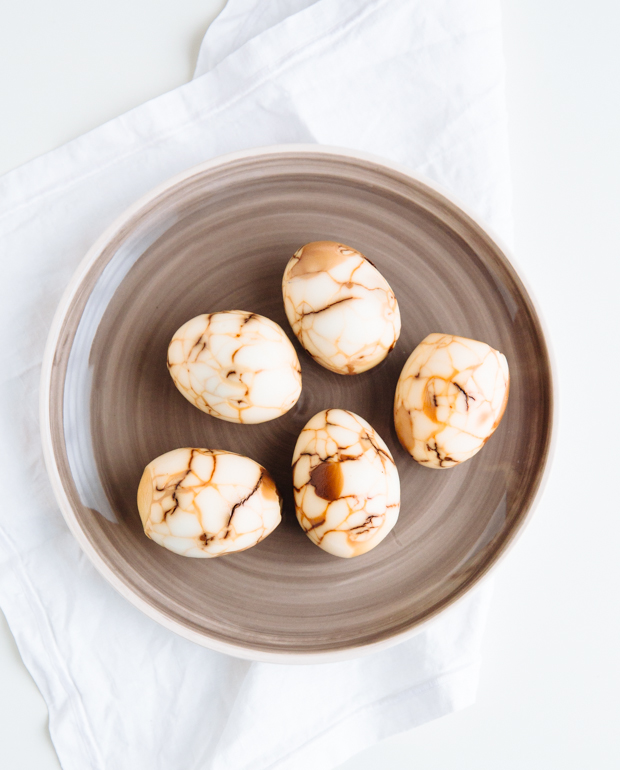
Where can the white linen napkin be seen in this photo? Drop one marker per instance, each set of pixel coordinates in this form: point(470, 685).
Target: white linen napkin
point(420, 83)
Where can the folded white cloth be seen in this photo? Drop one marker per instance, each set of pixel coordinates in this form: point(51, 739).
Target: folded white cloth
point(420, 83)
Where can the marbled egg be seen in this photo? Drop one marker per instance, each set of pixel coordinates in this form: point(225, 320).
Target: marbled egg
point(341, 308)
point(207, 502)
point(345, 482)
point(237, 366)
point(450, 398)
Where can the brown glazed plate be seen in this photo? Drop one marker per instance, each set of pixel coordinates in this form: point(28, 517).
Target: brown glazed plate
point(217, 237)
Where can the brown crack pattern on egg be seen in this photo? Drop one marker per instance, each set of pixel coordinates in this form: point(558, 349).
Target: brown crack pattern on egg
point(340, 307)
point(206, 502)
point(345, 483)
point(236, 366)
point(450, 398)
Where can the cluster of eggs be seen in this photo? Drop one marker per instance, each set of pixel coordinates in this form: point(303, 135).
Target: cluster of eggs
point(241, 367)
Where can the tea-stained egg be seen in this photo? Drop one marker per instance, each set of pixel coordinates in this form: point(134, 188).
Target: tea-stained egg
point(345, 483)
point(238, 366)
point(450, 398)
point(207, 502)
point(341, 308)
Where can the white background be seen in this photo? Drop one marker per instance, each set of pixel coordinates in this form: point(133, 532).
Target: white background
point(551, 676)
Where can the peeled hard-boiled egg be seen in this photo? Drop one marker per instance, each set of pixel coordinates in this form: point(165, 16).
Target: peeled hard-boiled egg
point(238, 366)
point(346, 485)
point(450, 398)
point(341, 308)
point(207, 502)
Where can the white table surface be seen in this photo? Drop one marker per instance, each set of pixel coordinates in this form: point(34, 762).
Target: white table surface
point(551, 676)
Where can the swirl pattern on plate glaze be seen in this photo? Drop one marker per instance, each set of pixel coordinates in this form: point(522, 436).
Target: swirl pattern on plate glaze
point(346, 485)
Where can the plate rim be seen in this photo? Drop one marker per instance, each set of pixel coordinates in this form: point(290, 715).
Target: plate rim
point(47, 367)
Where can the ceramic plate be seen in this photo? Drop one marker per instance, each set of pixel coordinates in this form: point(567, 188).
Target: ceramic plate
point(218, 237)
